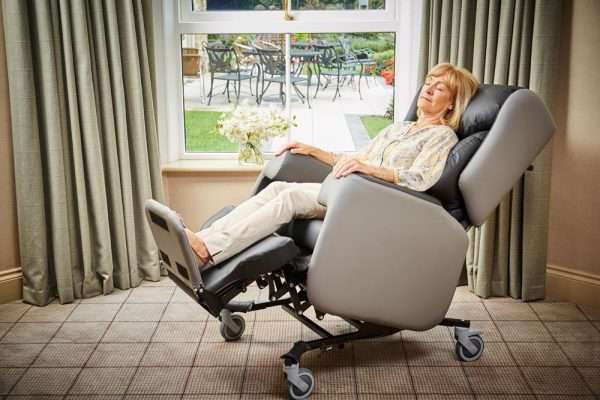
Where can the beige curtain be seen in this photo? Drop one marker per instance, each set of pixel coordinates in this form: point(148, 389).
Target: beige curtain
point(514, 42)
point(85, 144)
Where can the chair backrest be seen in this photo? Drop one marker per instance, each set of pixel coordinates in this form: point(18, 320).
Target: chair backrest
point(221, 58)
point(271, 60)
point(347, 54)
point(501, 132)
point(328, 57)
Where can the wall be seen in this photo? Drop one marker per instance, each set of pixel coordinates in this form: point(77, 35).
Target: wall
point(197, 193)
point(574, 231)
point(10, 274)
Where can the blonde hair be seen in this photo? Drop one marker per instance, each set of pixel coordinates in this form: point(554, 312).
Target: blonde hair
point(462, 85)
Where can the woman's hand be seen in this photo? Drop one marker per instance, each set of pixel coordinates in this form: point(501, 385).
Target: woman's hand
point(297, 148)
point(347, 165)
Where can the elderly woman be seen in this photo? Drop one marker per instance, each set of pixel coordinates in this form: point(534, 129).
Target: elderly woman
point(410, 154)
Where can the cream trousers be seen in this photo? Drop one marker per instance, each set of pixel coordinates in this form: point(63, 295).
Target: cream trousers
point(260, 216)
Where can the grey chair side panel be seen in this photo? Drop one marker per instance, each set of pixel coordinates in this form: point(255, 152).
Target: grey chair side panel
point(296, 168)
point(170, 237)
point(385, 256)
point(521, 130)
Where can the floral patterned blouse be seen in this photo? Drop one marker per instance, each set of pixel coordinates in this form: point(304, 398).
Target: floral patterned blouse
point(417, 158)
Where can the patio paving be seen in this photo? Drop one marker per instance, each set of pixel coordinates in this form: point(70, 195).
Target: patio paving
point(331, 125)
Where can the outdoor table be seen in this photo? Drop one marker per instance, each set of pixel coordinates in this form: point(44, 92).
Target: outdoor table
point(306, 57)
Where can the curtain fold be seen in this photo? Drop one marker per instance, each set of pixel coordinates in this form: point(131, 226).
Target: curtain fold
point(85, 144)
point(512, 42)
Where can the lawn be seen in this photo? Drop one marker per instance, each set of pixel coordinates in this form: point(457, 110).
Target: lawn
point(374, 124)
point(201, 135)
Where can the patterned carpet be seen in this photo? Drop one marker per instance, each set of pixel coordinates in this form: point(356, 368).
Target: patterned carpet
point(153, 342)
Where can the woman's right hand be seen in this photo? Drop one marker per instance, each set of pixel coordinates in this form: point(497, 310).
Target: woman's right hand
point(297, 148)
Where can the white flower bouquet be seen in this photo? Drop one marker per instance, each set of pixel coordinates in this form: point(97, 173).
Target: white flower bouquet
point(250, 126)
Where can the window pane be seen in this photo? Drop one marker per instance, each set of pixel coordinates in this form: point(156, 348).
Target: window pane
point(338, 4)
point(351, 89)
point(236, 5)
point(342, 86)
point(219, 72)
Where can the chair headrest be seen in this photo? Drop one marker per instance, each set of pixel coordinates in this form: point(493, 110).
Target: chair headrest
point(481, 111)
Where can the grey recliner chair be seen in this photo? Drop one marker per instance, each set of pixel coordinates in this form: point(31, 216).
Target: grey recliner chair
point(385, 258)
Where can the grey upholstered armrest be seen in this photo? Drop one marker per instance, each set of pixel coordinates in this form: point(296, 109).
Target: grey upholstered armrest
point(385, 245)
point(296, 168)
point(331, 183)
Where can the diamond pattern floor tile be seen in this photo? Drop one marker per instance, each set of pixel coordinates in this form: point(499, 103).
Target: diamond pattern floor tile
point(31, 332)
point(524, 331)
point(8, 378)
point(80, 332)
point(19, 354)
point(12, 312)
point(215, 380)
point(496, 380)
point(93, 312)
point(44, 381)
point(170, 355)
point(383, 380)
point(577, 331)
point(64, 355)
point(49, 313)
point(103, 381)
point(583, 354)
point(156, 343)
point(117, 355)
point(511, 311)
point(439, 380)
point(130, 332)
point(562, 380)
point(159, 380)
point(538, 354)
point(558, 312)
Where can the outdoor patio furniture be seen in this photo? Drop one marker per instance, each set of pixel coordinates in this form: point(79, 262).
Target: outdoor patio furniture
point(366, 59)
point(248, 61)
point(223, 64)
point(331, 65)
point(272, 67)
point(363, 58)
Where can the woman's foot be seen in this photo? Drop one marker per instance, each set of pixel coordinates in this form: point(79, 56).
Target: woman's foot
point(199, 248)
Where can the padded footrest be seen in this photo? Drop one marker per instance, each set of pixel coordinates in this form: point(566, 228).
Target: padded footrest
point(268, 255)
point(221, 282)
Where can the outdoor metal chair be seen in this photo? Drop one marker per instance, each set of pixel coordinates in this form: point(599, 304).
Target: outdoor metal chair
point(223, 64)
point(331, 65)
point(272, 66)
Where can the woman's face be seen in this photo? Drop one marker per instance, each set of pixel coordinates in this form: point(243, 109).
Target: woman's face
point(435, 98)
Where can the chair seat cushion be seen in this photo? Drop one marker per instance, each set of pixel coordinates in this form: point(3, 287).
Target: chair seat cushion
point(304, 232)
point(267, 255)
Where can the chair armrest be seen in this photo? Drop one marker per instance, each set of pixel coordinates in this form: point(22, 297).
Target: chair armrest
point(296, 168)
point(331, 184)
point(402, 252)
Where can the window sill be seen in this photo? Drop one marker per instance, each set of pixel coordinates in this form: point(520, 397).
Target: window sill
point(210, 166)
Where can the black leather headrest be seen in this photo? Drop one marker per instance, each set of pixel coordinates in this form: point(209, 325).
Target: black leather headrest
point(476, 121)
point(481, 111)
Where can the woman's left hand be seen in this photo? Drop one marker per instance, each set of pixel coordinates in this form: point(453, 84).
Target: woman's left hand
point(347, 166)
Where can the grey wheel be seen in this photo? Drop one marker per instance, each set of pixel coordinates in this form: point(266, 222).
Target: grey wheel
point(233, 334)
point(297, 394)
point(465, 355)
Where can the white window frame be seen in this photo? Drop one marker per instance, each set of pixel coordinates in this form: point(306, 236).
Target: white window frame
point(174, 18)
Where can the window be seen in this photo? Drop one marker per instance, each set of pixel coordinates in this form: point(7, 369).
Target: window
point(341, 68)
